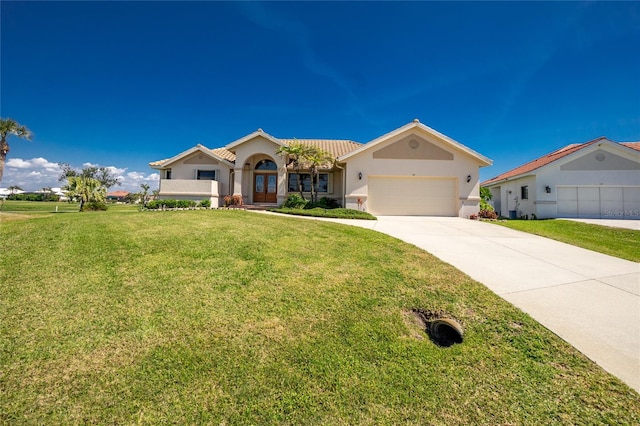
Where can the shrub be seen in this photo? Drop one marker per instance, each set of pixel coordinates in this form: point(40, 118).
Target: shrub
point(33, 197)
point(170, 204)
point(185, 204)
point(294, 201)
point(153, 204)
point(94, 206)
point(233, 200)
point(324, 203)
point(487, 214)
point(205, 203)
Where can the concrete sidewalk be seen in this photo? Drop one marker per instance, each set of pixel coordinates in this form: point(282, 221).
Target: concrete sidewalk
point(589, 299)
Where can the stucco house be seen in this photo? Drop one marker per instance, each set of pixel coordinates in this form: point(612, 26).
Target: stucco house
point(596, 179)
point(412, 170)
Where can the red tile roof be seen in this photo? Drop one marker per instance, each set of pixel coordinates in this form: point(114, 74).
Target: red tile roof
point(118, 194)
point(632, 145)
point(551, 157)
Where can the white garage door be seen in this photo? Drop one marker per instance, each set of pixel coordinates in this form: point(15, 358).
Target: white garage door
point(596, 202)
point(409, 196)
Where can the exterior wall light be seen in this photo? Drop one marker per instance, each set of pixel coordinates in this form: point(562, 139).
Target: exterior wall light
point(359, 175)
point(547, 189)
point(468, 178)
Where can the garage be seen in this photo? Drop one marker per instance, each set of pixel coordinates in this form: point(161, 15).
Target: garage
point(412, 196)
point(599, 202)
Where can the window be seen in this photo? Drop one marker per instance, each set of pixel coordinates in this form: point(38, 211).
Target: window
point(206, 174)
point(524, 192)
point(167, 174)
point(322, 184)
point(266, 165)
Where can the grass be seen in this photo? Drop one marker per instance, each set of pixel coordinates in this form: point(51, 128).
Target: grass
point(618, 242)
point(37, 206)
point(339, 213)
point(232, 317)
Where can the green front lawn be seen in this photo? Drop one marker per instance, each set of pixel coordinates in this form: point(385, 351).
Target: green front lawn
point(618, 242)
point(233, 317)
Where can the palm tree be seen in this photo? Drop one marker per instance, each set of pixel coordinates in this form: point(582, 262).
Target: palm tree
point(47, 193)
point(10, 127)
point(293, 154)
point(84, 189)
point(314, 159)
point(13, 189)
point(145, 193)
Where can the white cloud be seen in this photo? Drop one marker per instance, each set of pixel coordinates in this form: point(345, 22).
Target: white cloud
point(37, 173)
point(34, 163)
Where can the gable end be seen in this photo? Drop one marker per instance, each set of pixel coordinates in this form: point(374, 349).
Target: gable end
point(601, 160)
point(412, 148)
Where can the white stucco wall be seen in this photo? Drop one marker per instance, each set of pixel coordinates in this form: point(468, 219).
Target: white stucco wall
point(600, 173)
point(509, 196)
point(183, 183)
point(461, 166)
point(247, 155)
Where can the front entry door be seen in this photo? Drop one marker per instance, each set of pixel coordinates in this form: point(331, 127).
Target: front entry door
point(265, 188)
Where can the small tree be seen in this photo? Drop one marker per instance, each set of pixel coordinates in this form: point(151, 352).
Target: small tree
point(293, 154)
point(314, 159)
point(10, 127)
point(102, 174)
point(48, 194)
point(145, 193)
point(85, 190)
point(13, 189)
point(485, 196)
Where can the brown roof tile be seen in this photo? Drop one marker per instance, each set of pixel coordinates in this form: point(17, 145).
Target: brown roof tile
point(632, 145)
point(551, 157)
point(224, 154)
point(335, 147)
point(157, 163)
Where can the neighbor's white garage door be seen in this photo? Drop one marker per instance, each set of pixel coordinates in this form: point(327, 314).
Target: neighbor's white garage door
point(412, 196)
point(597, 202)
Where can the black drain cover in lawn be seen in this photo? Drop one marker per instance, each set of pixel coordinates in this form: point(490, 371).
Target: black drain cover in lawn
point(441, 328)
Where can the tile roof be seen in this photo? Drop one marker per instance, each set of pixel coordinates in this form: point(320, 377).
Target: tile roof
point(632, 145)
point(224, 154)
point(335, 147)
point(157, 163)
point(551, 157)
point(118, 194)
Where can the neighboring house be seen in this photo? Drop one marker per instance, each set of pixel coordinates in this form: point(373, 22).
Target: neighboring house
point(595, 179)
point(119, 196)
point(5, 192)
point(413, 170)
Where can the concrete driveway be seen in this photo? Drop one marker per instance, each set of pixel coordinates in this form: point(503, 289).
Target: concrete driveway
point(589, 299)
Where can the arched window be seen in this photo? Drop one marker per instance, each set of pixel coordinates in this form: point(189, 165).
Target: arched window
point(266, 165)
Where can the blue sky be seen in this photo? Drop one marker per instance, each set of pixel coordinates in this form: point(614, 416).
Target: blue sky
point(120, 84)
